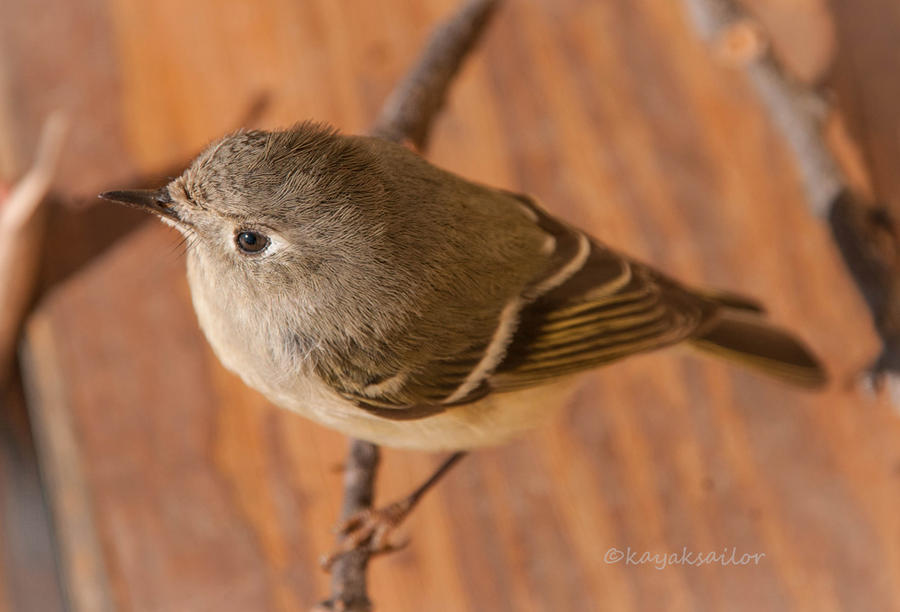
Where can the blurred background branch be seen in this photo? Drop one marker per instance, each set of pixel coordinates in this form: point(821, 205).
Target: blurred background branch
point(863, 228)
point(22, 228)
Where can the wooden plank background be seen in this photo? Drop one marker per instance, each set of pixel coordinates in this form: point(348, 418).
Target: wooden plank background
point(174, 487)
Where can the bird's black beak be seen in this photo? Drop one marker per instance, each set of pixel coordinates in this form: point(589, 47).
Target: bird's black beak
point(157, 201)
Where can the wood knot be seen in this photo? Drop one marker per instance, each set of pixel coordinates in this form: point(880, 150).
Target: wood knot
point(741, 43)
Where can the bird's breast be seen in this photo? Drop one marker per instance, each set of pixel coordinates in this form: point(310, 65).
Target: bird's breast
point(239, 342)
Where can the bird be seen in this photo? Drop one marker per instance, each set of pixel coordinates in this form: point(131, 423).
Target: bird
point(350, 280)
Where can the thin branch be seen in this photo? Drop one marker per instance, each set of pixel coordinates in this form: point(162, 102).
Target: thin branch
point(411, 109)
point(22, 224)
point(798, 111)
point(349, 590)
point(408, 115)
point(865, 233)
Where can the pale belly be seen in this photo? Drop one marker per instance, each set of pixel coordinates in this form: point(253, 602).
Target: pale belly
point(493, 420)
point(490, 421)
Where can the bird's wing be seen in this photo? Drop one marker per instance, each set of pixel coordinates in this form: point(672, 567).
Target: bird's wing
point(581, 325)
point(591, 306)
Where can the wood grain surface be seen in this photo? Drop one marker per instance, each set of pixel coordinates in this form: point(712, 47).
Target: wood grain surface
point(174, 487)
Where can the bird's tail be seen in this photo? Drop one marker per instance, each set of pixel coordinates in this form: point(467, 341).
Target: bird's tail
point(743, 336)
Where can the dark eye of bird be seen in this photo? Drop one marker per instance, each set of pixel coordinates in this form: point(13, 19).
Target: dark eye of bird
point(251, 242)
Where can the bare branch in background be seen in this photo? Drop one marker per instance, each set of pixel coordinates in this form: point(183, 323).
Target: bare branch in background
point(863, 229)
point(408, 115)
point(21, 237)
point(411, 108)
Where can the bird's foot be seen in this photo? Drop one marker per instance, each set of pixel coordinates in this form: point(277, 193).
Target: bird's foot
point(370, 530)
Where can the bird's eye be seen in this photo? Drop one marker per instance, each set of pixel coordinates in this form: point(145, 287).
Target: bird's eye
point(251, 242)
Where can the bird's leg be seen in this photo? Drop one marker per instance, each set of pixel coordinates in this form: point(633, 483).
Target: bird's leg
point(371, 528)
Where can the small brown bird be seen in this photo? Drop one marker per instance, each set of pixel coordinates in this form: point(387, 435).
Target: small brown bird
point(349, 280)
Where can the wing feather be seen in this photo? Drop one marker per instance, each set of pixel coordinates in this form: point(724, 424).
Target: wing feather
point(554, 341)
point(589, 307)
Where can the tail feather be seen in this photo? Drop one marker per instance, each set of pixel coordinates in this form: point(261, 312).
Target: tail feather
point(732, 300)
point(751, 341)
